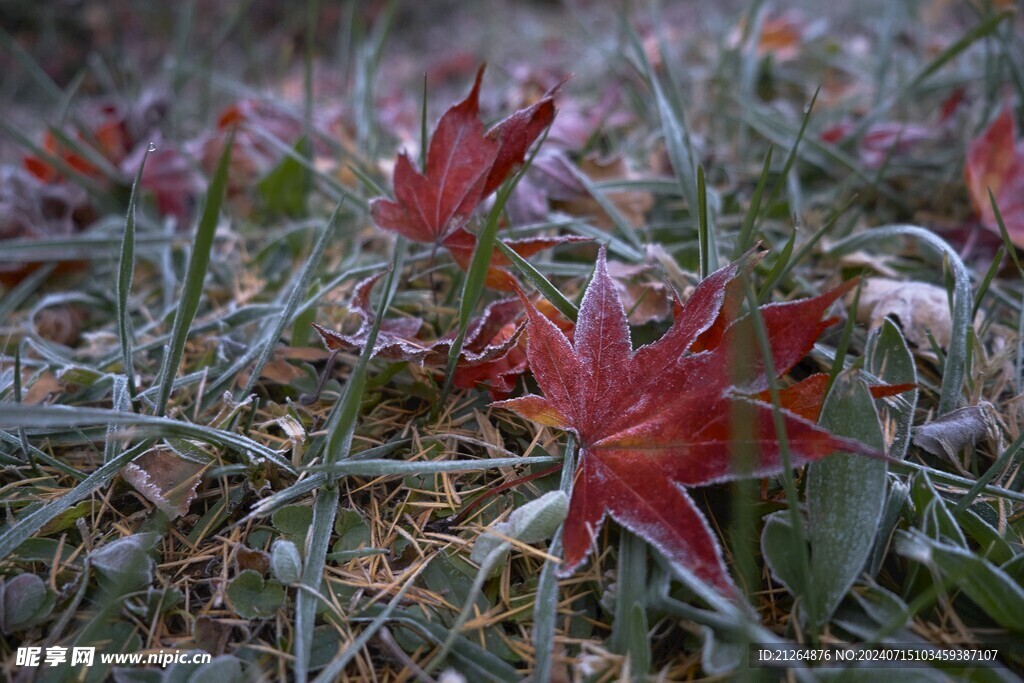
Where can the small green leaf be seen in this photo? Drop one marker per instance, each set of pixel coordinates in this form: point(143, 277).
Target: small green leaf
point(845, 495)
point(284, 189)
point(531, 523)
point(451, 576)
point(192, 288)
point(125, 564)
point(353, 532)
point(293, 521)
point(285, 561)
point(326, 643)
point(24, 601)
point(223, 669)
point(67, 518)
point(254, 598)
point(777, 538)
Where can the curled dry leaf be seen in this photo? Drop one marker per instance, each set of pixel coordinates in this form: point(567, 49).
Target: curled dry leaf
point(995, 161)
point(654, 421)
point(60, 324)
point(918, 307)
point(950, 434)
point(42, 389)
point(166, 479)
point(212, 634)
point(397, 340)
point(499, 375)
point(493, 353)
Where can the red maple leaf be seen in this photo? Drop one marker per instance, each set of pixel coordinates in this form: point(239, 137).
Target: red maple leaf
point(655, 421)
point(995, 161)
point(465, 165)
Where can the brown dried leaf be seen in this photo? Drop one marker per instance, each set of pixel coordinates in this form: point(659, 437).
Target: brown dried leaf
point(250, 558)
point(211, 634)
point(632, 204)
point(165, 479)
point(918, 307)
point(43, 388)
point(949, 434)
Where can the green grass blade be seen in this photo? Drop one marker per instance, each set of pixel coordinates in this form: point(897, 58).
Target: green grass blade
point(794, 148)
point(125, 271)
point(990, 274)
point(629, 628)
point(746, 237)
point(317, 542)
point(192, 289)
point(545, 605)
point(702, 225)
point(674, 128)
point(537, 279)
point(781, 266)
point(785, 457)
point(843, 346)
point(379, 468)
point(1007, 242)
point(13, 535)
point(26, 448)
point(48, 418)
point(341, 427)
